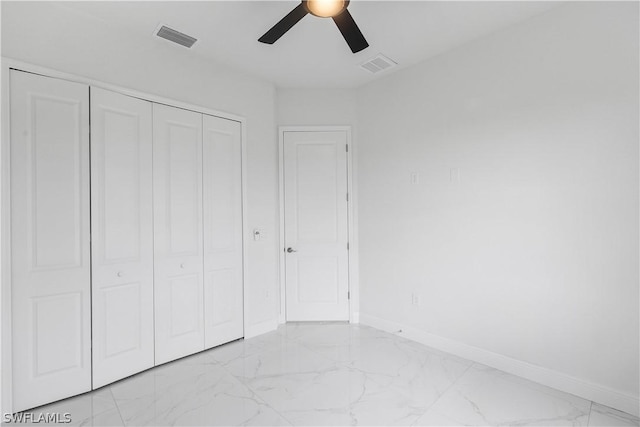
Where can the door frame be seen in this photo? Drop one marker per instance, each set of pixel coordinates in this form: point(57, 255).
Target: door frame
point(354, 287)
point(6, 329)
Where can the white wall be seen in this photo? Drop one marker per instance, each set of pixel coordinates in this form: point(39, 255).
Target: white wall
point(316, 107)
point(94, 49)
point(533, 254)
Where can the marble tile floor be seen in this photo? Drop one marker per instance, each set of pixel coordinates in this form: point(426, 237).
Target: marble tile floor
point(330, 374)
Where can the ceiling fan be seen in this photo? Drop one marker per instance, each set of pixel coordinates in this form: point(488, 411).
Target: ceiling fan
point(334, 9)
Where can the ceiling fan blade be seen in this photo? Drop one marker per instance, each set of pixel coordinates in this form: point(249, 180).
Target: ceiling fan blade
point(350, 31)
point(285, 24)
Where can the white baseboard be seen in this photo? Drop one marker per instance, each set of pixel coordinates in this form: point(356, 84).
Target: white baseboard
point(256, 329)
point(558, 380)
point(355, 317)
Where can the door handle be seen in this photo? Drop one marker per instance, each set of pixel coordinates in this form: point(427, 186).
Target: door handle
point(291, 250)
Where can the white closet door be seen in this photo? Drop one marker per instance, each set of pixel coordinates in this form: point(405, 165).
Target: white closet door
point(122, 236)
point(177, 176)
point(49, 239)
point(223, 292)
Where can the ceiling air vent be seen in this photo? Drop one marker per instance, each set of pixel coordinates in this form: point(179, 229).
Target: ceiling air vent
point(378, 63)
point(175, 36)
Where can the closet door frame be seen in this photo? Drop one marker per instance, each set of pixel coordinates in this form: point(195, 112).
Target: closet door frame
point(6, 64)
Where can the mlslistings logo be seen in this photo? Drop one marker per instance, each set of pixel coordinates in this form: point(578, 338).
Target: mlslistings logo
point(36, 417)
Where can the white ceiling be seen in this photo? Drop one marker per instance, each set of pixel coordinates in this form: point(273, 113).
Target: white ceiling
point(313, 53)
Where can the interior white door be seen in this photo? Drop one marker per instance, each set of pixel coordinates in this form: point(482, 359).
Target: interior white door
point(222, 189)
point(51, 307)
point(122, 236)
point(178, 245)
point(316, 226)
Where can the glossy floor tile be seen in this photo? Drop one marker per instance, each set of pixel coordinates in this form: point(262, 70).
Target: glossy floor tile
point(604, 416)
point(90, 409)
point(485, 396)
point(329, 374)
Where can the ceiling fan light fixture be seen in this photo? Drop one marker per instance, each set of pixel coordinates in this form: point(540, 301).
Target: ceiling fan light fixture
point(334, 9)
point(326, 8)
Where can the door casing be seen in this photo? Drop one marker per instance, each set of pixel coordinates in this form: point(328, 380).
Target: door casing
point(354, 289)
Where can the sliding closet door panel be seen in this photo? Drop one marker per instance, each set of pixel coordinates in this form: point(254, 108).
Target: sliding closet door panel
point(223, 291)
point(177, 174)
point(51, 340)
point(122, 236)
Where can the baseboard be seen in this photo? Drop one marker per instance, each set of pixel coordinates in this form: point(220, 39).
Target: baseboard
point(558, 380)
point(256, 329)
point(355, 317)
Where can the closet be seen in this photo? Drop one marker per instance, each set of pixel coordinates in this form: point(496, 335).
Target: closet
point(126, 236)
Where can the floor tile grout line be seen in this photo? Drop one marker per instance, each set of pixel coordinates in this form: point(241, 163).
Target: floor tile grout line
point(317, 353)
point(266, 403)
point(615, 413)
point(444, 392)
point(223, 366)
point(115, 402)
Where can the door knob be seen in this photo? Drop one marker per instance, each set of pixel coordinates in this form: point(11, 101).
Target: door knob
point(291, 250)
point(120, 273)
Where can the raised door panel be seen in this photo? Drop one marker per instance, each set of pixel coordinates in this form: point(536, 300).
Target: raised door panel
point(122, 229)
point(178, 246)
point(51, 343)
point(316, 225)
point(222, 197)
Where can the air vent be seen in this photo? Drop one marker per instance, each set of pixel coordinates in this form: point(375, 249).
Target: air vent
point(175, 36)
point(378, 63)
